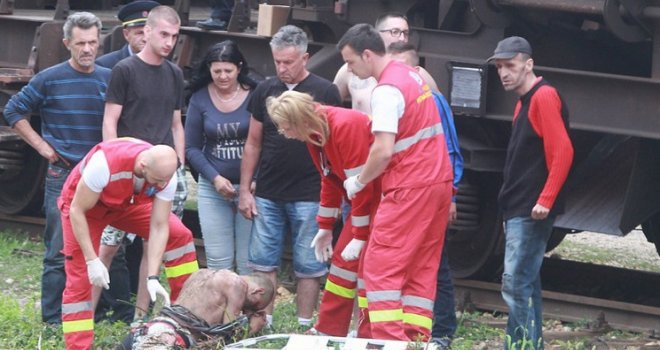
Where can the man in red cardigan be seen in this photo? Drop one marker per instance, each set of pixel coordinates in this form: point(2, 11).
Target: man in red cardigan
point(538, 160)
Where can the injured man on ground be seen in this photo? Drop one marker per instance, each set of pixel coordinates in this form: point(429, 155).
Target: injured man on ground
point(213, 305)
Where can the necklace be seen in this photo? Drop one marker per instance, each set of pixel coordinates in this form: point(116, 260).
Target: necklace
point(217, 94)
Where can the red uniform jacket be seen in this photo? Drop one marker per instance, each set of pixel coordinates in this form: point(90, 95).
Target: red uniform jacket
point(343, 155)
point(118, 194)
point(420, 151)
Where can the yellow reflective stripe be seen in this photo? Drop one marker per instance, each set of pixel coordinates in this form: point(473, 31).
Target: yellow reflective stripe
point(385, 315)
point(339, 290)
point(180, 270)
point(78, 326)
point(362, 302)
point(417, 320)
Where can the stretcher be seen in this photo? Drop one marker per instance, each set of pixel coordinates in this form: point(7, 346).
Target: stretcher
point(317, 342)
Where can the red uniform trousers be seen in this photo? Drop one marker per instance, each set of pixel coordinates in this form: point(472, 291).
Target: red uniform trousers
point(402, 259)
point(336, 310)
point(77, 314)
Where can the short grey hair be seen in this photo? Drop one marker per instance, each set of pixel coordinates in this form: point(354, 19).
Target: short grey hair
point(289, 36)
point(82, 20)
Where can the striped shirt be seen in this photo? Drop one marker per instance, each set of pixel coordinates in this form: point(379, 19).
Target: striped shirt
point(71, 106)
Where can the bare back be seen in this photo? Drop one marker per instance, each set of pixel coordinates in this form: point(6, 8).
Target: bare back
point(216, 296)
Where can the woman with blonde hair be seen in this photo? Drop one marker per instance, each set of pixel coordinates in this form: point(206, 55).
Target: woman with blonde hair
point(338, 141)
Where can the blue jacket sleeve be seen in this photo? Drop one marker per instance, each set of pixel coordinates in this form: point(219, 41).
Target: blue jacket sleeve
point(447, 120)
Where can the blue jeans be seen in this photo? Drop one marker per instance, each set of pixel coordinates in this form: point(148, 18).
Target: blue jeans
point(222, 9)
point(526, 240)
point(53, 277)
point(225, 231)
point(273, 220)
point(444, 308)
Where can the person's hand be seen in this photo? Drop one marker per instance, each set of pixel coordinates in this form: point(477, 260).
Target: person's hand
point(154, 288)
point(48, 152)
point(246, 205)
point(352, 185)
point(224, 187)
point(452, 213)
point(257, 322)
point(540, 212)
point(352, 250)
point(98, 273)
point(322, 244)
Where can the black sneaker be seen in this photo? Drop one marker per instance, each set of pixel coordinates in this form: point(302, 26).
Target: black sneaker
point(443, 343)
point(213, 24)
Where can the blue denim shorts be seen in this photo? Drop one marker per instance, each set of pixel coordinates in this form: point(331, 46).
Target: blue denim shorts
point(273, 221)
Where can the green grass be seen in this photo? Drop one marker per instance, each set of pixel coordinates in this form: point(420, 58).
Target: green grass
point(21, 326)
point(20, 312)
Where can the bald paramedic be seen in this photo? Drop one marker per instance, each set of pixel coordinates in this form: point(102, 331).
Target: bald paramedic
point(130, 184)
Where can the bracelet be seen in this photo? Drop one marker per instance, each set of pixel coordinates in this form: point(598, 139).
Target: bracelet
point(154, 277)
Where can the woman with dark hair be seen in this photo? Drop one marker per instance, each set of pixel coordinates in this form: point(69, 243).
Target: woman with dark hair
point(216, 130)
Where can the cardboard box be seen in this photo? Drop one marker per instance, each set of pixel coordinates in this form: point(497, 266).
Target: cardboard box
point(271, 18)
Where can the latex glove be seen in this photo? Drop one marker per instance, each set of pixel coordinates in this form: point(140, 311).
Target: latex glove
point(352, 185)
point(154, 288)
point(322, 244)
point(98, 273)
point(352, 250)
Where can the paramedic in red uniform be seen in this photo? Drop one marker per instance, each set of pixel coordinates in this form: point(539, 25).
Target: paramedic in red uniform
point(338, 141)
point(403, 254)
point(127, 183)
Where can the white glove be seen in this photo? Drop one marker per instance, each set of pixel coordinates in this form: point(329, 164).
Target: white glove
point(352, 250)
point(154, 288)
point(98, 273)
point(322, 244)
point(352, 185)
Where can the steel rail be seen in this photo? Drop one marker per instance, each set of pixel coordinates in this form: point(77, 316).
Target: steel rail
point(486, 296)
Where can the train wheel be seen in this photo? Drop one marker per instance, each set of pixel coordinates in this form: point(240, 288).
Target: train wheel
point(22, 172)
point(475, 240)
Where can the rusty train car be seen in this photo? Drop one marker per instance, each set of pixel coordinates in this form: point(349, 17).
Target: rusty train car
point(602, 55)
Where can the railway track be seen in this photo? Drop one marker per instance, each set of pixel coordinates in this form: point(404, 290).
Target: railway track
point(599, 313)
point(605, 297)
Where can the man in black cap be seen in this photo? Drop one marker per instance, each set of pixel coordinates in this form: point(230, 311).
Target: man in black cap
point(133, 16)
point(538, 160)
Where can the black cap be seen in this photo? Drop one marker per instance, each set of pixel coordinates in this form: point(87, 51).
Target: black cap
point(508, 48)
point(135, 13)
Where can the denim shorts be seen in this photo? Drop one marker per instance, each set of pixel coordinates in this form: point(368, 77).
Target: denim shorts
point(273, 221)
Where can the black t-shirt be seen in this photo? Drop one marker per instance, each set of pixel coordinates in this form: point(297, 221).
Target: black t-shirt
point(149, 95)
point(286, 171)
